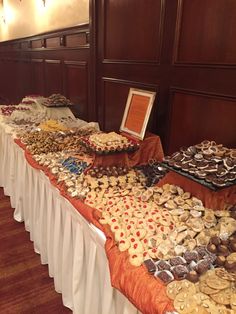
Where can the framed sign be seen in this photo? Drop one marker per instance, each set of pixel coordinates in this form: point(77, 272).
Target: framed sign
point(137, 111)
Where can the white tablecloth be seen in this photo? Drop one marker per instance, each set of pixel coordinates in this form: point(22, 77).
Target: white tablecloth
point(72, 247)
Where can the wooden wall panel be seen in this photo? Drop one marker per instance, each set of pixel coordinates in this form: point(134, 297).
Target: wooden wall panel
point(187, 44)
point(76, 86)
point(206, 32)
point(37, 77)
point(53, 77)
point(23, 73)
point(38, 65)
point(129, 24)
point(199, 116)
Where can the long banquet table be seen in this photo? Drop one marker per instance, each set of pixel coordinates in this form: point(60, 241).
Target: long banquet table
point(71, 246)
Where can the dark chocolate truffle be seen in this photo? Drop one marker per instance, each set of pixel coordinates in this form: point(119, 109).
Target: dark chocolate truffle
point(192, 276)
point(230, 265)
point(215, 240)
point(223, 250)
point(212, 248)
point(232, 246)
point(233, 214)
point(220, 260)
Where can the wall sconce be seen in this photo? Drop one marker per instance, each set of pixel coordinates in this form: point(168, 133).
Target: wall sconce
point(3, 15)
point(3, 19)
point(44, 3)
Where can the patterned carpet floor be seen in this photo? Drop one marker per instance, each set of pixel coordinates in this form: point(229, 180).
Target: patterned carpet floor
point(25, 286)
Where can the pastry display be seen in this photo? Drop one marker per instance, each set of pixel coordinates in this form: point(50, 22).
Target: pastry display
point(211, 163)
point(52, 126)
point(215, 293)
point(8, 110)
point(164, 230)
point(74, 165)
point(105, 143)
point(41, 142)
point(153, 171)
point(57, 100)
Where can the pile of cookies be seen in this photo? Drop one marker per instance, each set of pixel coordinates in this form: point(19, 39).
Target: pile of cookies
point(207, 161)
point(8, 110)
point(43, 142)
point(52, 126)
point(134, 223)
point(57, 100)
point(105, 143)
point(111, 171)
point(215, 293)
point(107, 184)
point(153, 172)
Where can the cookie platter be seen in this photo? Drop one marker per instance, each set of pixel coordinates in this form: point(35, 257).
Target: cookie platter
point(207, 163)
point(109, 143)
point(56, 100)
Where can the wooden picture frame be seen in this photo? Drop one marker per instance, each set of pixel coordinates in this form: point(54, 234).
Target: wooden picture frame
point(137, 112)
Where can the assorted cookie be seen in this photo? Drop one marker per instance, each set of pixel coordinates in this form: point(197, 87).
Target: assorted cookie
point(57, 100)
point(213, 294)
point(212, 163)
point(190, 248)
point(153, 172)
point(106, 143)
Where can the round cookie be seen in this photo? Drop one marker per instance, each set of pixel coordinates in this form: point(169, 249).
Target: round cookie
point(136, 247)
point(233, 301)
point(210, 305)
point(123, 245)
point(175, 287)
point(222, 297)
point(120, 235)
point(216, 282)
point(136, 259)
point(199, 310)
point(140, 233)
point(201, 297)
point(185, 303)
point(206, 289)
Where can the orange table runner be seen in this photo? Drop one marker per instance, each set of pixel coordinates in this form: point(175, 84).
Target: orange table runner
point(147, 293)
point(211, 199)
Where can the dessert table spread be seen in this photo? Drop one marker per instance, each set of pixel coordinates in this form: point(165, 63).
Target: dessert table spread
point(82, 239)
point(72, 247)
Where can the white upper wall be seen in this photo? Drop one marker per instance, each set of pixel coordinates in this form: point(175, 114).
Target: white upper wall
point(30, 17)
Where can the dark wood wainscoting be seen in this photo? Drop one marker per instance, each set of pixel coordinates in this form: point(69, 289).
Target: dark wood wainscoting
point(184, 50)
point(54, 62)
